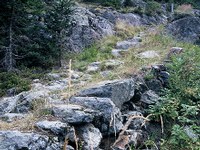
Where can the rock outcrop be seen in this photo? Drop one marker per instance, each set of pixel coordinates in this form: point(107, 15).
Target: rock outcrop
point(86, 29)
point(185, 29)
point(90, 25)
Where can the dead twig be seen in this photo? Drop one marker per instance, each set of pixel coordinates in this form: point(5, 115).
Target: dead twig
point(120, 137)
point(162, 124)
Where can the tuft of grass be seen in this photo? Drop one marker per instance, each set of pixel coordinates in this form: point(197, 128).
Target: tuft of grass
point(97, 52)
point(125, 30)
point(184, 9)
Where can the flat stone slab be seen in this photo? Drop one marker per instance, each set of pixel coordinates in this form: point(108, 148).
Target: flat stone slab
point(120, 91)
point(118, 52)
point(148, 54)
point(55, 127)
point(74, 114)
point(15, 140)
point(128, 43)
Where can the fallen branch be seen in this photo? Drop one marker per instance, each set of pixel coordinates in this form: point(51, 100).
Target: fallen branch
point(127, 125)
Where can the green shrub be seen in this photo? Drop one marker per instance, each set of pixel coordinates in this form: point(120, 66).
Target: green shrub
point(180, 104)
point(12, 80)
point(152, 8)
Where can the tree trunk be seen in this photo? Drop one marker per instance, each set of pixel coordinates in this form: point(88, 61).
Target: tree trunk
point(9, 60)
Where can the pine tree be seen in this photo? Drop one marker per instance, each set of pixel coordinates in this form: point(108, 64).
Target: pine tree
point(15, 20)
point(58, 20)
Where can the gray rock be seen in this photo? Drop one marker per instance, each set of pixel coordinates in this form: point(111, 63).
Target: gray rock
point(90, 136)
point(137, 137)
point(75, 76)
point(73, 114)
point(26, 100)
point(106, 73)
point(119, 91)
point(15, 140)
point(55, 127)
point(54, 76)
point(149, 97)
point(55, 86)
point(155, 85)
point(188, 130)
point(86, 29)
point(136, 124)
point(7, 104)
point(118, 52)
point(107, 115)
point(186, 29)
point(86, 77)
point(36, 81)
point(128, 43)
point(174, 51)
point(130, 18)
point(94, 67)
point(148, 54)
point(11, 92)
point(112, 63)
point(10, 117)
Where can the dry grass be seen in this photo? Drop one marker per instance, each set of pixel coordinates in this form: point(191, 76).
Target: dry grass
point(184, 9)
point(26, 124)
point(126, 30)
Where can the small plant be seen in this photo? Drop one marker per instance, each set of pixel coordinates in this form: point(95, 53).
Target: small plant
point(152, 8)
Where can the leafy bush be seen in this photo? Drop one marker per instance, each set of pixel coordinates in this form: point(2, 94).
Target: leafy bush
point(12, 80)
point(20, 81)
point(180, 104)
point(152, 8)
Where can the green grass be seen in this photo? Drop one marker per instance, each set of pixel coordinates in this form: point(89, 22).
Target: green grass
point(97, 52)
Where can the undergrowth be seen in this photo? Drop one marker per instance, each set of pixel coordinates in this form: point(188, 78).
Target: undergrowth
point(180, 105)
point(18, 81)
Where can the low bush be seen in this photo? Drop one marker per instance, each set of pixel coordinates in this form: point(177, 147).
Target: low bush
point(12, 80)
point(152, 7)
point(180, 105)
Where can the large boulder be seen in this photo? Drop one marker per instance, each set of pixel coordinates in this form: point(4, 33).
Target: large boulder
point(119, 91)
point(108, 119)
point(15, 140)
point(86, 29)
point(186, 29)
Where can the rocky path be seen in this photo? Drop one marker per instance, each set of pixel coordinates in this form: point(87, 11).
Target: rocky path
point(88, 119)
